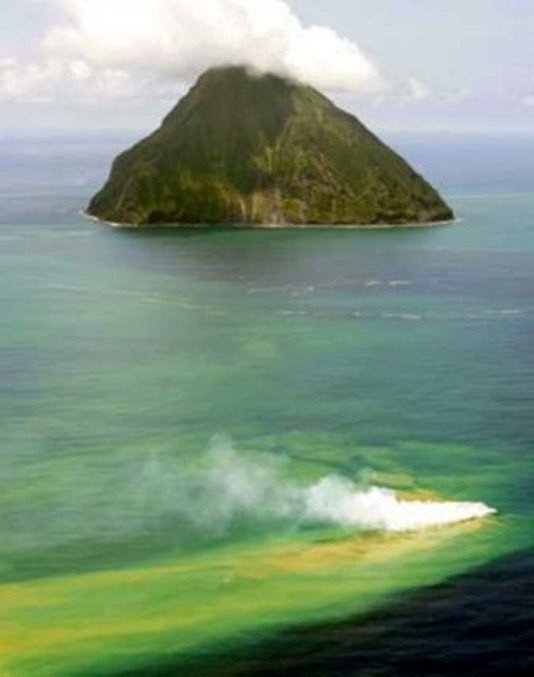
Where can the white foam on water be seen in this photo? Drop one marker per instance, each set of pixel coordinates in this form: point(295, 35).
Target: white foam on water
point(401, 316)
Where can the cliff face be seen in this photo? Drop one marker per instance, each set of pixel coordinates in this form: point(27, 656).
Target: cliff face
point(263, 150)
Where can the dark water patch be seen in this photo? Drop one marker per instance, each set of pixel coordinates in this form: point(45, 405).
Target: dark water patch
point(481, 623)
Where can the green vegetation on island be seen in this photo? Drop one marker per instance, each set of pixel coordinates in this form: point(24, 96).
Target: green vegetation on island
point(260, 149)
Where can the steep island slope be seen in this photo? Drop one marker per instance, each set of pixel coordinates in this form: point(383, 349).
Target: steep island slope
point(247, 149)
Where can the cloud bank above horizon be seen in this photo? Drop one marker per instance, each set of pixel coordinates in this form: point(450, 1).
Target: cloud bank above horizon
point(126, 49)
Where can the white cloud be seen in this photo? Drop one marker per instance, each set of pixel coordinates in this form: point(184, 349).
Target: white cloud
point(529, 100)
point(417, 90)
point(129, 48)
point(62, 80)
point(28, 82)
point(456, 96)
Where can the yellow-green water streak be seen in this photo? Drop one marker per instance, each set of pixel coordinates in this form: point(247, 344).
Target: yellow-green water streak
point(110, 619)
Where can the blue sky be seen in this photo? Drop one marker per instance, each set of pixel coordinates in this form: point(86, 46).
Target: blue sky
point(451, 65)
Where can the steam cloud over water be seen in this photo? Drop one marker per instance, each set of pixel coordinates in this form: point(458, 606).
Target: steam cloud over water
point(210, 497)
point(339, 501)
point(334, 500)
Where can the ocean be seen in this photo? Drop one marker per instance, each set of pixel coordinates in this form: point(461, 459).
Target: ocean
point(266, 452)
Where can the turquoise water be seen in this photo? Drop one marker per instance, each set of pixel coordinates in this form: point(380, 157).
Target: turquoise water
point(164, 392)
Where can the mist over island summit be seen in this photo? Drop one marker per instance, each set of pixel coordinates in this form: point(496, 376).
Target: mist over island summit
point(242, 148)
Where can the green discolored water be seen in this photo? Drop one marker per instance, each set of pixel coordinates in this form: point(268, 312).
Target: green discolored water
point(166, 395)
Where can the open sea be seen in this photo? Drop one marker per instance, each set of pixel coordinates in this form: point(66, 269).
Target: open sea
point(266, 452)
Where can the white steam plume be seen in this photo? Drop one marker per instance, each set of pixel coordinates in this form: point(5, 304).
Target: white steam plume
point(246, 487)
point(339, 501)
point(218, 494)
